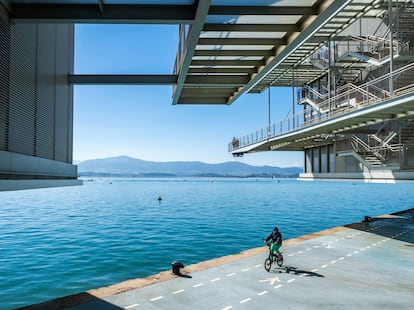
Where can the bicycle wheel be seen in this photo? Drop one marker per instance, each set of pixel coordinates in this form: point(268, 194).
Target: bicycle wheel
point(279, 260)
point(268, 264)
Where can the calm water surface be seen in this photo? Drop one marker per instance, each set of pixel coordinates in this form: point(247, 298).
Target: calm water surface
point(61, 241)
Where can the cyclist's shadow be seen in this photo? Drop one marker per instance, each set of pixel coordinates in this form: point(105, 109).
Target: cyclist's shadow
point(297, 271)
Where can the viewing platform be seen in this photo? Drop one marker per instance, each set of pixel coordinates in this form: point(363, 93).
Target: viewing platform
point(364, 265)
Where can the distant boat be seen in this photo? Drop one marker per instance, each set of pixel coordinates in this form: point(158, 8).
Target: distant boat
point(159, 198)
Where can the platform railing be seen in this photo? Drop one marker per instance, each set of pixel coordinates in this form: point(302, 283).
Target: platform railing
point(349, 99)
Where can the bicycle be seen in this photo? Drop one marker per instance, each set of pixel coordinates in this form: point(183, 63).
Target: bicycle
point(273, 258)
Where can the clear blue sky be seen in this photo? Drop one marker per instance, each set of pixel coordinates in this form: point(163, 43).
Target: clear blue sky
point(141, 122)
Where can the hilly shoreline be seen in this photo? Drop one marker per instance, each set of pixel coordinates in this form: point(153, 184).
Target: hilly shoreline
point(124, 166)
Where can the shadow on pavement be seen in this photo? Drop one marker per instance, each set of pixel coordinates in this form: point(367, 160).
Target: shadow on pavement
point(398, 226)
point(296, 271)
point(77, 301)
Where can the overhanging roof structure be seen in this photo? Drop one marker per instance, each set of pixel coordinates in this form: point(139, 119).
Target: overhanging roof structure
point(226, 47)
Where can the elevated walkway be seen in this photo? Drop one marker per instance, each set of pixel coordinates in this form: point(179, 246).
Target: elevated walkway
point(355, 264)
point(353, 107)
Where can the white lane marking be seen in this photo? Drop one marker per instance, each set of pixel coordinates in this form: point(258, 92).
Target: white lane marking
point(216, 279)
point(349, 255)
point(324, 266)
point(262, 293)
point(333, 262)
point(231, 274)
point(227, 308)
point(291, 254)
point(198, 285)
point(156, 298)
point(131, 306)
point(178, 292)
point(314, 270)
point(247, 269)
point(277, 286)
point(258, 265)
point(356, 252)
point(308, 249)
point(245, 300)
point(291, 280)
point(300, 252)
point(271, 280)
point(341, 258)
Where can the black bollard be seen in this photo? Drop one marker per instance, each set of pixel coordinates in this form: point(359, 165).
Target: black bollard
point(176, 267)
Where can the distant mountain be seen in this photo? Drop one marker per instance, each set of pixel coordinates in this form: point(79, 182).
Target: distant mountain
point(128, 166)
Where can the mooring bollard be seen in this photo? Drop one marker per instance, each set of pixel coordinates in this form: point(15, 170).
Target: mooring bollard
point(176, 267)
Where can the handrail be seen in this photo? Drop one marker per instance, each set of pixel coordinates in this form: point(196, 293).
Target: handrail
point(339, 104)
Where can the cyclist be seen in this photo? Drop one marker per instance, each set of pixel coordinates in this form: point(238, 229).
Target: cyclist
point(276, 237)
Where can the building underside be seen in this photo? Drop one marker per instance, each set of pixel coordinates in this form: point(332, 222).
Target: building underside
point(348, 62)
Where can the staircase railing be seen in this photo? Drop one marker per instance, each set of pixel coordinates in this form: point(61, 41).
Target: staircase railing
point(353, 98)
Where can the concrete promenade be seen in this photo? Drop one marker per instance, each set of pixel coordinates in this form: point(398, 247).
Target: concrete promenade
point(365, 265)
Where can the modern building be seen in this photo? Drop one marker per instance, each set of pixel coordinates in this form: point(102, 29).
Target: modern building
point(352, 81)
point(349, 64)
point(36, 104)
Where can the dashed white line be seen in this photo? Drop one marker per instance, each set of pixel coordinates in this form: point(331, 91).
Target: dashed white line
point(247, 269)
point(216, 279)
point(245, 300)
point(262, 293)
point(156, 298)
point(308, 249)
point(291, 254)
point(198, 285)
point(291, 280)
point(333, 262)
point(231, 274)
point(341, 258)
point(349, 255)
point(227, 308)
point(300, 252)
point(324, 266)
point(131, 306)
point(277, 286)
point(178, 292)
point(258, 265)
point(356, 252)
point(314, 270)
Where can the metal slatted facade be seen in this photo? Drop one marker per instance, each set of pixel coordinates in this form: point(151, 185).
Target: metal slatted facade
point(4, 85)
point(36, 100)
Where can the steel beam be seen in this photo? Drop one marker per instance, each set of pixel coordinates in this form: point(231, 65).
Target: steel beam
point(191, 44)
point(241, 41)
point(110, 13)
point(137, 79)
point(252, 27)
point(262, 10)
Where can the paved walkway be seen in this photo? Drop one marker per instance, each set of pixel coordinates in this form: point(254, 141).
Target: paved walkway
point(366, 265)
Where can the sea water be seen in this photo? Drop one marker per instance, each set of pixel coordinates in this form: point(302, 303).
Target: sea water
point(60, 241)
